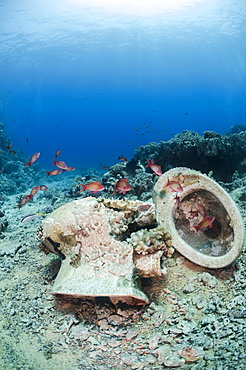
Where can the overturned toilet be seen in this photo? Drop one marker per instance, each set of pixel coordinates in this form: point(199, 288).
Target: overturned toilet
point(204, 222)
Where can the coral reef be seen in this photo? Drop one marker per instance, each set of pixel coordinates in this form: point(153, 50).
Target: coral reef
point(3, 223)
point(151, 247)
point(4, 140)
point(140, 180)
point(222, 154)
point(147, 241)
point(136, 213)
point(14, 176)
point(142, 183)
point(196, 318)
point(194, 311)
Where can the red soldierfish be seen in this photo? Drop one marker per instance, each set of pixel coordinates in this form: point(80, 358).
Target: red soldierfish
point(24, 200)
point(94, 187)
point(34, 191)
point(205, 223)
point(33, 159)
point(62, 165)
point(43, 187)
point(155, 167)
point(53, 172)
point(122, 186)
point(174, 185)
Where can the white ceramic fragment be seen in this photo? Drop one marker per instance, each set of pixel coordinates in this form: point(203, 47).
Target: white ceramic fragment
point(96, 264)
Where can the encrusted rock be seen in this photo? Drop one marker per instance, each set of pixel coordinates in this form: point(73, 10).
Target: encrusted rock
point(173, 361)
point(162, 352)
point(189, 287)
point(190, 354)
point(207, 279)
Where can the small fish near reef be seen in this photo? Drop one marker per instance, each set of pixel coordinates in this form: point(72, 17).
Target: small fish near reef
point(174, 186)
point(193, 212)
point(43, 188)
point(34, 191)
point(122, 186)
point(200, 209)
point(32, 216)
point(9, 146)
point(57, 153)
point(24, 200)
point(33, 159)
point(53, 172)
point(154, 167)
point(69, 169)
point(206, 222)
point(93, 187)
point(60, 164)
point(123, 159)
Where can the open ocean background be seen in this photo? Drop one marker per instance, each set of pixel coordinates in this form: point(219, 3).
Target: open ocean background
point(96, 79)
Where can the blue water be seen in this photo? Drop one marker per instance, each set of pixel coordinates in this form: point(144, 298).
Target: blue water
point(98, 78)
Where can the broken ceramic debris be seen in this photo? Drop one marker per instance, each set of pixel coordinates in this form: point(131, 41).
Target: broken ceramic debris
point(204, 222)
point(96, 261)
point(106, 244)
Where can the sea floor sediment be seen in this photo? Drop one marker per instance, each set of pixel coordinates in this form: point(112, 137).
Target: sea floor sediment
point(195, 319)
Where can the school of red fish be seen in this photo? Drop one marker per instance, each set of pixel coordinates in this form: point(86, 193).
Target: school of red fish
point(121, 186)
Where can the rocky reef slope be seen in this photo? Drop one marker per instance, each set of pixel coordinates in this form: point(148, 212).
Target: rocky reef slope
point(196, 316)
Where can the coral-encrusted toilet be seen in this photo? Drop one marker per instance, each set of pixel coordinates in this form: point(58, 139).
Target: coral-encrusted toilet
point(184, 198)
